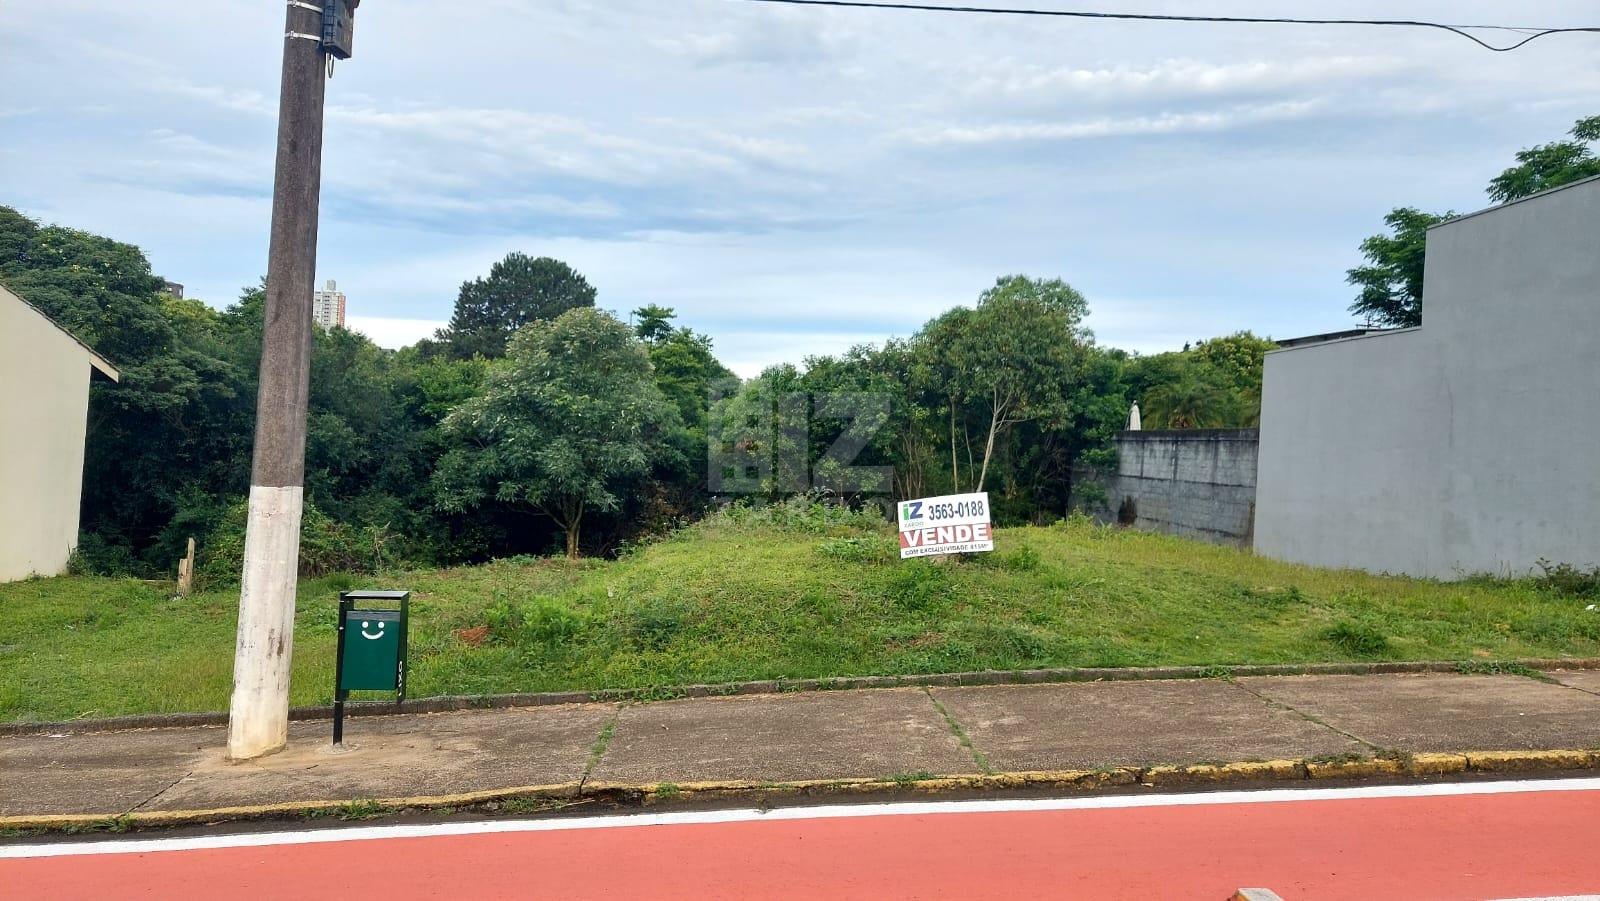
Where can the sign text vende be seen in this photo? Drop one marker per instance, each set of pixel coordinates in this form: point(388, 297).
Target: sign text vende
point(952, 524)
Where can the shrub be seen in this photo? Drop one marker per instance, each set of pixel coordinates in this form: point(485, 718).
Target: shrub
point(1023, 559)
point(1358, 638)
point(862, 549)
point(1568, 579)
point(807, 513)
point(95, 556)
point(326, 546)
point(546, 620)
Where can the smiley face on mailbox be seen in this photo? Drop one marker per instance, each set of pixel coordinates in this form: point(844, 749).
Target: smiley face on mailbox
point(373, 644)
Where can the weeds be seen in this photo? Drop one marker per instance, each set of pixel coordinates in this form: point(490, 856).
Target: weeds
point(872, 549)
point(1357, 638)
point(1501, 668)
point(528, 805)
point(1564, 578)
point(360, 810)
point(117, 825)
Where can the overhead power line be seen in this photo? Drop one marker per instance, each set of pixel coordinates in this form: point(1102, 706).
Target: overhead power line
point(1465, 31)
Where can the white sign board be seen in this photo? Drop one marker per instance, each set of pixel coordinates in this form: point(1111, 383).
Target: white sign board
point(952, 524)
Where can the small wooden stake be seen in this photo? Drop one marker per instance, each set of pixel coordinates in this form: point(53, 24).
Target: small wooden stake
point(186, 572)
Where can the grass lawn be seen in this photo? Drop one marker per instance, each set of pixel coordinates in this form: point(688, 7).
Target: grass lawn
point(781, 594)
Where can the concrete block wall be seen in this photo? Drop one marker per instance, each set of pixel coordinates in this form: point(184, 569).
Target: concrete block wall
point(1197, 483)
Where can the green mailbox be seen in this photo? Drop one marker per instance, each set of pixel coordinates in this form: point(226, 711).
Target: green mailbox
point(371, 653)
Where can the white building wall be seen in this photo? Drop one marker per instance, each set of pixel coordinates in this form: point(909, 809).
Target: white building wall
point(44, 402)
point(1469, 445)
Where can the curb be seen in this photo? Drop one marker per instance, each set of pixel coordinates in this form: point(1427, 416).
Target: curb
point(448, 703)
point(660, 793)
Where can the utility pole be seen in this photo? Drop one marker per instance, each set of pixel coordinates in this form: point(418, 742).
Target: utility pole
point(258, 715)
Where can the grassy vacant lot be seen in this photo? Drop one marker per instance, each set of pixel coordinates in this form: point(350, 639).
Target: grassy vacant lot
point(786, 593)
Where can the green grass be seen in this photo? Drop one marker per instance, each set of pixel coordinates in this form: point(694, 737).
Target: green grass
point(760, 596)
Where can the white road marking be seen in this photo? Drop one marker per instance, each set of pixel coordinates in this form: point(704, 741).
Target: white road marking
point(832, 811)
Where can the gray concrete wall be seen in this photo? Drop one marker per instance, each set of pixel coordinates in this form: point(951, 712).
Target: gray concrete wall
point(1197, 483)
point(44, 403)
point(1469, 445)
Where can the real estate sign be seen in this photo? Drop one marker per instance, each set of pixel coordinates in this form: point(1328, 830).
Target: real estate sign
point(952, 524)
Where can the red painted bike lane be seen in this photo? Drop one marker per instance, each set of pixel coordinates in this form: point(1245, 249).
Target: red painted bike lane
point(1458, 847)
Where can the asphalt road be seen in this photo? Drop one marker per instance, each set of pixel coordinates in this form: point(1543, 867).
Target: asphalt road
point(1458, 842)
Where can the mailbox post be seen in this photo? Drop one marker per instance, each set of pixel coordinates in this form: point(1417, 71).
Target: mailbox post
point(372, 648)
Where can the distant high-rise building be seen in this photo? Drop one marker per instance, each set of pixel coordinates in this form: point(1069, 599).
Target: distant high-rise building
point(327, 306)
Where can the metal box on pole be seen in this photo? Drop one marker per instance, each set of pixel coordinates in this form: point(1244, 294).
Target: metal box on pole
point(371, 653)
point(338, 27)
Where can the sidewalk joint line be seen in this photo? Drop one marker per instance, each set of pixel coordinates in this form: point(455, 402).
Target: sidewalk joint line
point(1587, 691)
point(1310, 718)
point(980, 758)
point(598, 749)
point(168, 787)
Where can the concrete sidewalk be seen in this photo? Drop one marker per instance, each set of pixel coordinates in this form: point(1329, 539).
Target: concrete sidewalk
point(1061, 734)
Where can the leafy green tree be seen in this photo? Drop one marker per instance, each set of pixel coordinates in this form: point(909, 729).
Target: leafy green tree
point(1013, 359)
point(1215, 383)
point(687, 372)
point(568, 423)
point(1197, 400)
point(518, 290)
point(1041, 480)
point(686, 369)
point(1391, 280)
point(864, 422)
point(1550, 165)
point(758, 436)
point(1236, 362)
point(653, 322)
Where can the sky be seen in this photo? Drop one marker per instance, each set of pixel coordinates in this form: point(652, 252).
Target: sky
point(792, 181)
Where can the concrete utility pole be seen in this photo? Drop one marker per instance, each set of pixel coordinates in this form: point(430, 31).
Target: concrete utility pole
point(258, 716)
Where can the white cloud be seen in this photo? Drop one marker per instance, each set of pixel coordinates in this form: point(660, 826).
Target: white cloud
point(1160, 124)
point(795, 180)
point(393, 333)
point(1173, 78)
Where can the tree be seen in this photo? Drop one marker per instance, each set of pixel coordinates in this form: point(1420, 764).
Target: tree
point(1391, 281)
point(686, 372)
point(1550, 165)
point(519, 290)
point(1235, 362)
point(1194, 401)
point(1012, 359)
point(569, 421)
point(653, 322)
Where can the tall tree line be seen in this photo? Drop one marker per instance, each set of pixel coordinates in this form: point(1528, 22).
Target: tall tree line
point(535, 422)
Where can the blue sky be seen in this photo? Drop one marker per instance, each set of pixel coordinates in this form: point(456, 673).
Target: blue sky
point(791, 180)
